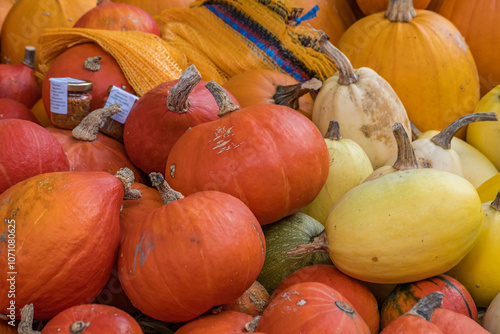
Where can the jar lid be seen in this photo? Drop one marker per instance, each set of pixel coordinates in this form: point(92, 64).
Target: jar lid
point(81, 87)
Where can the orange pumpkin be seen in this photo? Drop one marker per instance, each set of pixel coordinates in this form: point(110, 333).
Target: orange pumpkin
point(451, 322)
point(478, 22)
point(154, 7)
point(374, 6)
point(89, 150)
point(116, 16)
point(180, 261)
point(10, 108)
point(419, 59)
point(311, 307)
point(26, 150)
point(71, 63)
point(235, 151)
point(5, 328)
point(41, 115)
point(28, 19)
point(5, 6)
point(333, 16)
point(98, 318)
point(405, 296)
point(223, 322)
point(78, 214)
point(358, 295)
point(270, 87)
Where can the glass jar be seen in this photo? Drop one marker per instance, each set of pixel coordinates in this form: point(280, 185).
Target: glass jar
point(78, 105)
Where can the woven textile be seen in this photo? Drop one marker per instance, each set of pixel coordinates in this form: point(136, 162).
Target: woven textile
point(224, 38)
point(145, 59)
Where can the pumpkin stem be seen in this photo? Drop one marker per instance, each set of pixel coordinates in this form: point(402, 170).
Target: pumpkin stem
point(99, 2)
point(26, 324)
point(126, 176)
point(400, 11)
point(78, 326)
point(92, 64)
point(496, 203)
point(222, 98)
point(167, 193)
point(251, 326)
point(415, 132)
point(319, 244)
point(406, 156)
point(345, 69)
point(89, 126)
point(444, 137)
point(29, 56)
point(427, 305)
point(289, 95)
point(333, 131)
point(177, 99)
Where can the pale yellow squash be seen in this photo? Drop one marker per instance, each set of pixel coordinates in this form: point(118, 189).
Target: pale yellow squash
point(479, 271)
point(349, 166)
point(491, 320)
point(485, 136)
point(363, 103)
point(404, 226)
point(488, 189)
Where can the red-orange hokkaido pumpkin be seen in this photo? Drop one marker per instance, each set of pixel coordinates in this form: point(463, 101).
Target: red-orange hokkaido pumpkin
point(271, 157)
point(190, 255)
point(311, 307)
point(27, 149)
point(66, 231)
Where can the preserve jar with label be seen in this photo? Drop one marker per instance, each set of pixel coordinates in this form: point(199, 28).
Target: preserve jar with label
point(70, 101)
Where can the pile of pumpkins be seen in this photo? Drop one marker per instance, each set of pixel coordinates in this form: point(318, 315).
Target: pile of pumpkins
point(366, 203)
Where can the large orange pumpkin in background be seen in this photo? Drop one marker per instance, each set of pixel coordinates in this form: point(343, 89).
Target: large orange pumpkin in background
point(333, 16)
point(478, 21)
point(374, 6)
point(419, 57)
point(28, 19)
point(5, 6)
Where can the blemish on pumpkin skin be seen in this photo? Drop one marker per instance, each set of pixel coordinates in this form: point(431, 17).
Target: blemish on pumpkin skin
point(142, 251)
point(3, 237)
point(223, 140)
point(375, 259)
point(424, 163)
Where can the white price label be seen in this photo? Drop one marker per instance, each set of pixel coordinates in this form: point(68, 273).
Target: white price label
point(124, 99)
point(59, 94)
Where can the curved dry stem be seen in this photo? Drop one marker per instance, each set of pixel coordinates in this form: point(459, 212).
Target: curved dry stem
point(26, 324)
point(333, 131)
point(400, 11)
point(427, 305)
point(444, 137)
point(346, 71)
point(406, 155)
point(289, 95)
point(92, 63)
point(415, 132)
point(89, 126)
point(177, 99)
point(318, 245)
point(496, 203)
point(167, 193)
point(126, 177)
point(222, 98)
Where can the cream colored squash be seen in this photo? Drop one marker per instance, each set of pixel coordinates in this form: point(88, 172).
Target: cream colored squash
point(404, 226)
point(479, 271)
point(485, 136)
point(491, 320)
point(349, 166)
point(363, 103)
point(476, 167)
point(437, 152)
